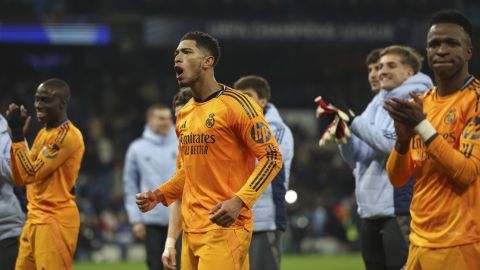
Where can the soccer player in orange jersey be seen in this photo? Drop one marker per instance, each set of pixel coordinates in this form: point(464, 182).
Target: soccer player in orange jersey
point(439, 143)
point(49, 171)
point(221, 133)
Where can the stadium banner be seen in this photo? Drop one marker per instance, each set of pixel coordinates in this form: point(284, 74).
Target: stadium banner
point(166, 31)
point(56, 34)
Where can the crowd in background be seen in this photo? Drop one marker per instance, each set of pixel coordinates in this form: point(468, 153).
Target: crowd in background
point(108, 104)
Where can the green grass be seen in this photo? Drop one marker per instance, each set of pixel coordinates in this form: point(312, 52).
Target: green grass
point(315, 262)
point(289, 262)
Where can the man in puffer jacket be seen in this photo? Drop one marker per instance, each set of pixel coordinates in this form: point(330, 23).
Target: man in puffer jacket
point(384, 209)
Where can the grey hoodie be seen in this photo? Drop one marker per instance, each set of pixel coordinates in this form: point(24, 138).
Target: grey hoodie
point(150, 162)
point(11, 216)
point(373, 137)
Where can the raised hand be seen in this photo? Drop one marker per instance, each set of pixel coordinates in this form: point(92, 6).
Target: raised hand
point(404, 111)
point(18, 121)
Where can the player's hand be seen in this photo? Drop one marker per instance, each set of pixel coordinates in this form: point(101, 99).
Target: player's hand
point(18, 121)
point(226, 212)
point(146, 201)
point(139, 230)
point(404, 111)
point(404, 132)
point(404, 135)
point(169, 258)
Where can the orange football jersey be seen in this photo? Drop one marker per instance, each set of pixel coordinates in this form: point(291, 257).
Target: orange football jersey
point(219, 141)
point(445, 207)
point(49, 171)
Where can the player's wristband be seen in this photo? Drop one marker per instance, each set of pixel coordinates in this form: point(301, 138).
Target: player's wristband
point(425, 130)
point(169, 243)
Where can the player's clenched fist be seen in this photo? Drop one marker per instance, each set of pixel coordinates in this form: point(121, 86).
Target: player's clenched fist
point(146, 201)
point(226, 212)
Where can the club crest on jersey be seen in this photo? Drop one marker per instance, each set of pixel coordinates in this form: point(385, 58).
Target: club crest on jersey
point(260, 133)
point(50, 151)
point(450, 117)
point(210, 121)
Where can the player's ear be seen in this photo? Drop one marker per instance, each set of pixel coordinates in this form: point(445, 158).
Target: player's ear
point(63, 104)
point(469, 53)
point(208, 61)
point(410, 72)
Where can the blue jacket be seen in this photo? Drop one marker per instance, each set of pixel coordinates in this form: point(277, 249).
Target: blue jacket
point(269, 211)
point(150, 162)
point(373, 137)
point(11, 215)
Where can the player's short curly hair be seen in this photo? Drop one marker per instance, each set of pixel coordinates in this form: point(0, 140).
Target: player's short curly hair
point(182, 97)
point(259, 84)
point(206, 42)
point(410, 57)
point(452, 16)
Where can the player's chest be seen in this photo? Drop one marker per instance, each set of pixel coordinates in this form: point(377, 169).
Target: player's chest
point(45, 142)
point(449, 121)
point(206, 121)
point(205, 132)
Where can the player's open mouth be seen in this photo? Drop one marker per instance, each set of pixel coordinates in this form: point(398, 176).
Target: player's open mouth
point(178, 71)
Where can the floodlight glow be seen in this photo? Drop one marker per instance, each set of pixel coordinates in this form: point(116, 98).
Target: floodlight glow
point(291, 196)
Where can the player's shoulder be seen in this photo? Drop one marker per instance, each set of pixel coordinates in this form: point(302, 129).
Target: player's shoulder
point(473, 86)
point(69, 133)
point(188, 107)
point(238, 102)
point(428, 94)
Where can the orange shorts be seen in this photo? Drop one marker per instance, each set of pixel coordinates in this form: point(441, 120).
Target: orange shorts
point(46, 246)
point(216, 250)
point(465, 257)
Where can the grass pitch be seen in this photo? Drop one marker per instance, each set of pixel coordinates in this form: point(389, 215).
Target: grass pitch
point(289, 262)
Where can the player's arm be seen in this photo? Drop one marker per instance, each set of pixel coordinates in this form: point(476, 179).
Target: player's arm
point(399, 167)
point(172, 190)
point(175, 218)
point(380, 137)
point(462, 165)
point(166, 193)
point(27, 170)
point(355, 150)
point(257, 136)
point(174, 229)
